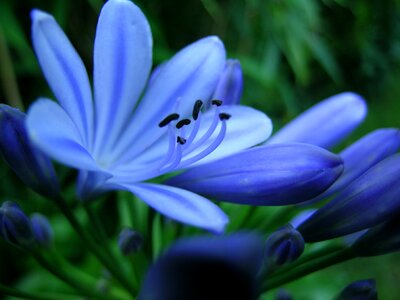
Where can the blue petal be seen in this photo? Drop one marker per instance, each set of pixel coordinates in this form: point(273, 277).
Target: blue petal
point(230, 86)
point(53, 131)
point(122, 62)
point(269, 175)
point(190, 75)
point(368, 201)
point(326, 123)
point(64, 71)
point(180, 205)
point(362, 155)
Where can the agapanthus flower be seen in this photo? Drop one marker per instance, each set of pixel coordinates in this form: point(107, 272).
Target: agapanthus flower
point(119, 142)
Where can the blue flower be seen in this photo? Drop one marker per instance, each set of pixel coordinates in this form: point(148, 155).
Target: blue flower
point(223, 267)
point(118, 142)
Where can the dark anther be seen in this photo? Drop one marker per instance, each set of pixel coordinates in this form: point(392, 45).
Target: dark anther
point(216, 102)
point(196, 109)
point(182, 123)
point(168, 119)
point(224, 116)
point(180, 140)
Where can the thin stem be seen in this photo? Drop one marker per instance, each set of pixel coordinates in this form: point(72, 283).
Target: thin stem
point(101, 235)
point(307, 268)
point(328, 250)
point(7, 75)
point(66, 277)
point(91, 245)
point(5, 290)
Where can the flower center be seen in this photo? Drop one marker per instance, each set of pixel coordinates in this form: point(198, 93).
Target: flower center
point(186, 147)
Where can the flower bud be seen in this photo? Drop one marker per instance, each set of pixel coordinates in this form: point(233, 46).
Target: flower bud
point(230, 85)
point(374, 147)
point(366, 202)
point(223, 267)
point(28, 162)
point(283, 246)
point(270, 175)
point(359, 290)
point(42, 231)
point(326, 123)
point(283, 294)
point(129, 241)
point(15, 226)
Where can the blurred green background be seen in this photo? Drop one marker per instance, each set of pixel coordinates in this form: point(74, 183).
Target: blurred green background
point(293, 53)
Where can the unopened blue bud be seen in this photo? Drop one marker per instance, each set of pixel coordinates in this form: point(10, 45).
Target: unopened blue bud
point(230, 86)
point(270, 175)
point(222, 267)
point(362, 155)
point(29, 163)
point(359, 290)
point(379, 240)
point(42, 231)
point(129, 241)
point(326, 123)
point(283, 294)
point(283, 246)
point(15, 226)
point(371, 199)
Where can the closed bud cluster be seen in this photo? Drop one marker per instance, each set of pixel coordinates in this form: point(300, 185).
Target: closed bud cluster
point(283, 246)
point(15, 226)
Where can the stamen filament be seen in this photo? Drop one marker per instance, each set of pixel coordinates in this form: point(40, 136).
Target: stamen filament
point(215, 143)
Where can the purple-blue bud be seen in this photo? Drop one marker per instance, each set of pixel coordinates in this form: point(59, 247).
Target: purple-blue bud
point(371, 199)
point(359, 290)
point(283, 294)
point(378, 240)
point(29, 163)
point(222, 267)
point(15, 226)
point(230, 85)
point(270, 175)
point(283, 246)
point(362, 155)
point(42, 231)
point(129, 241)
point(326, 123)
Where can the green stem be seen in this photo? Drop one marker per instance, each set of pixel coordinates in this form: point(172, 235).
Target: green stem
point(328, 250)
point(307, 268)
point(101, 235)
point(5, 290)
point(66, 277)
point(7, 75)
point(91, 245)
